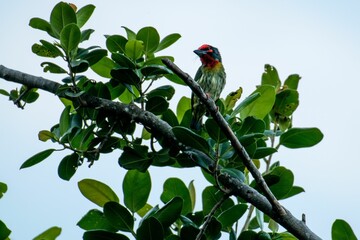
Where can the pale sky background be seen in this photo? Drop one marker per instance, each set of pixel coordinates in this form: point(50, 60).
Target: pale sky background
point(320, 40)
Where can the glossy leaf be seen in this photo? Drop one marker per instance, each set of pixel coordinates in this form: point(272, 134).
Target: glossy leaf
point(134, 49)
point(52, 68)
point(83, 138)
point(284, 183)
point(170, 117)
point(294, 191)
point(123, 61)
point(157, 105)
point(45, 135)
point(116, 43)
point(70, 37)
point(248, 235)
point(231, 215)
point(183, 106)
point(169, 213)
point(260, 107)
point(167, 41)
point(270, 77)
point(235, 173)
point(135, 159)
point(174, 187)
point(251, 125)
point(301, 137)
point(214, 229)
point(192, 192)
point(83, 15)
point(131, 35)
point(232, 98)
point(247, 101)
point(260, 218)
point(103, 235)
point(4, 231)
point(94, 56)
point(150, 229)
point(150, 37)
point(3, 189)
point(119, 216)
point(42, 25)
point(65, 120)
point(175, 79)
point(95, 219)
point(214, 131)
point(136, 188)
point(4, 92)
point(37, 158)
point(61, 15)
point(85, 34)
point(262, 152)
point(154, 71)
point(125, 75)
point(210, 196)
point(103, 67)
point(50, 234)
point(286, 102)
point(144, 210)
point(97, 192)
point(292, 81)
point(166, 91)
point(190, 138)
point(341, 230)
point(45, 51)
point(68, 166)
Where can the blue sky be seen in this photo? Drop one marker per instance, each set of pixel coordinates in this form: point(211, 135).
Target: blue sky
point(318, 40)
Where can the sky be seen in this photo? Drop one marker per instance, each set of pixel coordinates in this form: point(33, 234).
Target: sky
point(317, 39)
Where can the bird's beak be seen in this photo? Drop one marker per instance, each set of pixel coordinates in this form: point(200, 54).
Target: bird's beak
point(200, 52)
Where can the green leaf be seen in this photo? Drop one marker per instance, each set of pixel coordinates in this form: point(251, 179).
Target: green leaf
point(231, 215)
point(286, 102)
point(175, 79)
point(157, 105)
point(97, 192)
point(135, 159)
point(68, 166)
point(37, 158)
point(166, 91)
point(125, 75)
point(262, 152)
point(50, 234)
point(280, 180)
point(150, 37)
point(70, 37)
point(271, 77)
point(192, 193)
point(52, 67)
point(174, 187)
point(61, 15)
point(131, 35)
point(210, 196)
point(273, 226)
point(83, 138)
point(301, 137)
point(260, 107)
point(116, 43)
point(235, 173)
point(248, 235)
point(94, 56)
point(4, 92)
point(191, 139)
point(136, 188)
point(232, 98)
point(168, 41)
point(103, 67)
point(247, 101)
point(292, 81)
point(45, 135)
point(183, 106)
point(65, 120)
point(55, 51)
point(169, 117)
point(30, 96)
point(154, 70)
point(119, 216)
point(83, 14)
point(150, 229)
point(3, 189)
point(123, 61)
point(42, 25)
point(260, 218)
point(294, 191)
point(85, 34)
point(95, 219)
point(341, 230)
point(103, 235)
point(4, 231)
point(169, 213)
point(214, 131)
point(144, 210)
point(134, 49)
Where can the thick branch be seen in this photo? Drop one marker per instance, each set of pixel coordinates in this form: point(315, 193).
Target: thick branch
point(296, 227)
point(212, 108)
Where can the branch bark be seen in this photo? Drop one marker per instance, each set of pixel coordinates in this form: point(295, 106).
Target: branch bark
point(132, 111)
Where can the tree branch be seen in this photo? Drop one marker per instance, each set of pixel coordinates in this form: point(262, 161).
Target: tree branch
point(131, 111)
point(240, 150)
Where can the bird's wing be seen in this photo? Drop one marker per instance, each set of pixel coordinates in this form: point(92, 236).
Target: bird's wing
point(198, 74)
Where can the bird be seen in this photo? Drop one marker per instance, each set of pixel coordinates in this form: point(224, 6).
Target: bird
point(211, 77)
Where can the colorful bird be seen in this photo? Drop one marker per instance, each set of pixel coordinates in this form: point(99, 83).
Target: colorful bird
point(211, 77)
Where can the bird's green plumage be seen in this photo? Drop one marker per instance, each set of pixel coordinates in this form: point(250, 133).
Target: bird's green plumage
point(211, 77)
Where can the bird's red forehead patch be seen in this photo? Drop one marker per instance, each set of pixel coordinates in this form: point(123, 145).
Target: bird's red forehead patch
point(204, 47)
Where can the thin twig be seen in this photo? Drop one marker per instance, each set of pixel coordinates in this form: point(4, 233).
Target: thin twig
point(240, 150)
point(210, 215)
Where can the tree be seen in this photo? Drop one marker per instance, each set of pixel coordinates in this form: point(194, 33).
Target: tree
point(127, 113)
